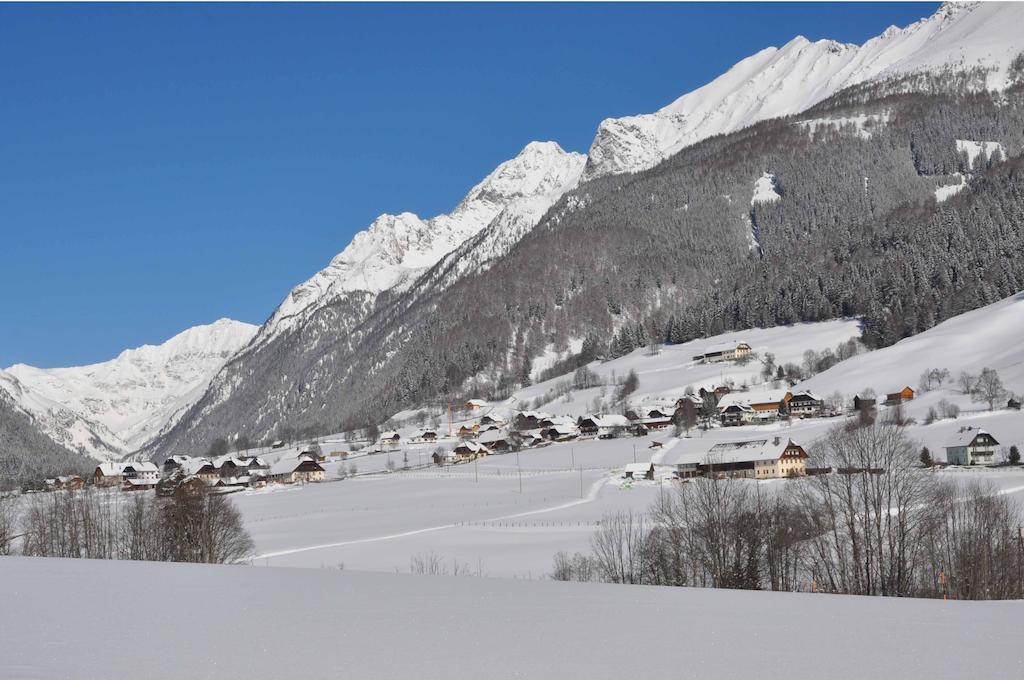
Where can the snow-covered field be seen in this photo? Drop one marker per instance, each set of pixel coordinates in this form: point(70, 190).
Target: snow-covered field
point(190, 621)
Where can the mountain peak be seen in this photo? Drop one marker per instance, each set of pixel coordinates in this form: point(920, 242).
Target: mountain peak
point(780, 81)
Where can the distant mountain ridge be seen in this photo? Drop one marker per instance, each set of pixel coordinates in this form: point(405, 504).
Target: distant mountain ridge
point(113, 408)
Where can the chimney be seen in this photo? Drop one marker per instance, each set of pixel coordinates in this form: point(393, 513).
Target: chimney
point(775, 441)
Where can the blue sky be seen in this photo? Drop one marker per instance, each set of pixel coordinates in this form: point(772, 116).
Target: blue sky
point(164, 166)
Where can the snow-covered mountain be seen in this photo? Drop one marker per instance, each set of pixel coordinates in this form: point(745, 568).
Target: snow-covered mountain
point(780, 81)
point(112, 408)
point(395, 249)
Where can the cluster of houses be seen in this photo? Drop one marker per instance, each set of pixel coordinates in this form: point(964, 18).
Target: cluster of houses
point(766, 406)
point(230, 471)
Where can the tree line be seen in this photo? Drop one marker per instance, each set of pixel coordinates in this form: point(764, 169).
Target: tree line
point(189, 526)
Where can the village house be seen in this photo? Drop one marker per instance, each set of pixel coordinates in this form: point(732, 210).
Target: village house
point(806, 405)
point(1013, 404)
point(906, 394)
point(64, 483)
point(765, 406)
point(639, 471)
point(491, 419)
point(470, 451)
point(174, 462)
point(296, 470)
point(736, 414)
point(136, 470)
point(391, 439)
point(605, 427)
point(732, 351)
point(108, 474)
point(717, 393)
point(657, 418)
point(444, 457)
point(754, 459)
point(560, 433)
point(468, 431)
point(864, 403)
point(693, 399)
point(427, 436)
point(139, 483)
point(529, 420)
point(496, 443)
point(972, 446)
point(475, 404)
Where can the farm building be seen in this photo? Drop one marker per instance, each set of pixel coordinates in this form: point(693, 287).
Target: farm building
point(724, 352)
point(756, 459)
point(972, 446)
point(806, 405)
point(639, 471)
point(475, 404)
point(293, 470)
point(603, 426)
point(470, 451)
point(906, 394)
point(765, 405)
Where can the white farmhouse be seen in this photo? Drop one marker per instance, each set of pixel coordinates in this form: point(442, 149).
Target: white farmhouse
point(972, 446)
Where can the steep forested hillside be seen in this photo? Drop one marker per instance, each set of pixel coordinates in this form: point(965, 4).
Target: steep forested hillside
point(28, 455)
point(829, 213)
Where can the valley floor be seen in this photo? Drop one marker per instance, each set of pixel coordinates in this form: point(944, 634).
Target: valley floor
point(240, 622)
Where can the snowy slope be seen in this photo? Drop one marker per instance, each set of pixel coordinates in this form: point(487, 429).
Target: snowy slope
point(397, 248)
point(321, 624)
point(789, 79)
point(985, 337)
point(114, 407)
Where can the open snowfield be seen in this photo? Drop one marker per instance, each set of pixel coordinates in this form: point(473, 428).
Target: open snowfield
point(240, 622)
point(477, 517)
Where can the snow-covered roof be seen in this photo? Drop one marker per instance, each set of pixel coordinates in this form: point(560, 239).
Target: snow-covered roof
point(110, 469)
point(746, 451)
point(965, 436)
point(562, 429)
point(610, 420)
point(750, 398)
point(539, 415)
point(472, 447)
point(142, 467)
point(288, 465)
point(723, 347)
point(141, 482)
point(641, 468)
point(390, 436)
point(476, 402)
point(806, 393)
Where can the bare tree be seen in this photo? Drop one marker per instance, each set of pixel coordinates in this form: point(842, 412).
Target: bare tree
point(867, 521)
point(989, 388)
point(618, 547)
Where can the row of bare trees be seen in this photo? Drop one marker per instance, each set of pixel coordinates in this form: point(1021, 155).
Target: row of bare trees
point(885, 527)
point(190, 526)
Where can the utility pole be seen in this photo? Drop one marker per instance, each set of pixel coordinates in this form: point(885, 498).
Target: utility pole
point(476, 470)
point(634, 453)
point(572, 453)
point(520, 470)
point(581, 482)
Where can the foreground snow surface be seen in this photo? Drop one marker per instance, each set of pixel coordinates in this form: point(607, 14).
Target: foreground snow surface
point(241, 622)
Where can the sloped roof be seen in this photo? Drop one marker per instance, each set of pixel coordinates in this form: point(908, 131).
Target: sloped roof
point(610, 420)
point(758, 397)
point(642, 468)
point(746, 451)
point(967, 436)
